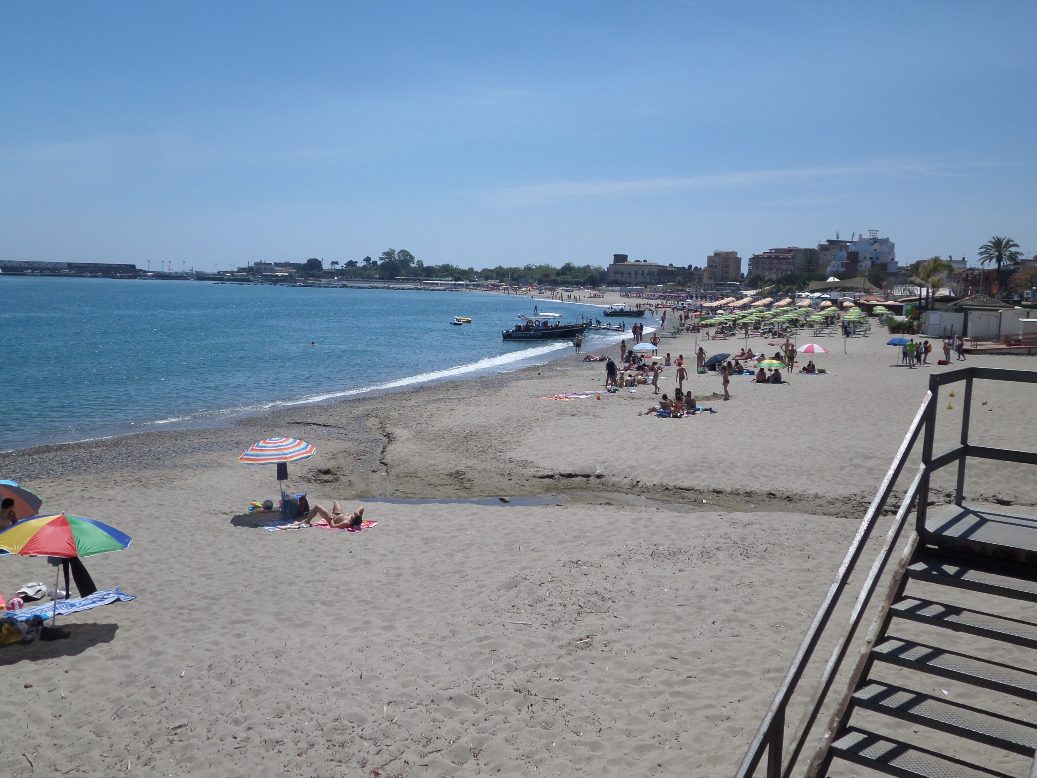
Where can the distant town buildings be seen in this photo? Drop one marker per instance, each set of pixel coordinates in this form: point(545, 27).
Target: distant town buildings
point(722, 267)
point(623, 271)
point(778, 262)
point(850, 257)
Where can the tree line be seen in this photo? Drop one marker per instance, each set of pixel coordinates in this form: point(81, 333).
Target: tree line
point(392, 264)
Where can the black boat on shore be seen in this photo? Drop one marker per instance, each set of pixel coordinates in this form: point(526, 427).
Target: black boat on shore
point(623, 310)
point(546, 326)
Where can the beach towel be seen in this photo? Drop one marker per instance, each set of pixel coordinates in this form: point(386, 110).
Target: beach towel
point(365, 524)
point(319, 524)
point(95, 600)
point(571, 396)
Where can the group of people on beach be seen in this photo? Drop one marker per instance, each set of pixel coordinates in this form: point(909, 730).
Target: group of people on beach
point(914, 354)
point(681, 405)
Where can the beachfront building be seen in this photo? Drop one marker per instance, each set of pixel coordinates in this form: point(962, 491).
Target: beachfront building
point(777, 262)
point(833, 254)
point(771, 264)
point(849, 257)
point(622, 271)
point(723, 267)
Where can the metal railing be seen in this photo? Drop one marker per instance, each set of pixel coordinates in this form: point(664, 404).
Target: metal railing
point(770, 738)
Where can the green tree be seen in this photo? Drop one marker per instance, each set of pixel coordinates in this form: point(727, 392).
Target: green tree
point(405, 258)
point(1002, 252)
point(930, 273)
point(1025, 279)
point(389, 269)
point(876, 276)
point(389, 255)
point(313, 266)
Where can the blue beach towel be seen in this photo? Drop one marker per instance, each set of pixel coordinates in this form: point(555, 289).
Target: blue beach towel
point(95, 600)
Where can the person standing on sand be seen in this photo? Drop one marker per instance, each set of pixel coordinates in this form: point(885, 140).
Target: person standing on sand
point(959, 348)
point(611, 373)
point(622, 350)
point(682, 376)
point(655, 377)
point(725, 377)
point(946, 349)
point(700, 358)
point(577, 342)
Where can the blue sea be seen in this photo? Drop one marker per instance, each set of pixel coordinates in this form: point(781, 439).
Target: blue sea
point(90, 358)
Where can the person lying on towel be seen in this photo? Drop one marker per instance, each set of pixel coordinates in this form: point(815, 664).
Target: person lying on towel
point(336, 517)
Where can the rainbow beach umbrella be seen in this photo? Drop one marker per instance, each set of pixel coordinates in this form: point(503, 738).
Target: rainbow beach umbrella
point(65, 536)
point(278, 451)
point(62, 535)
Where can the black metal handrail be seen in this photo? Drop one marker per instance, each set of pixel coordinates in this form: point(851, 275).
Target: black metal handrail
point(770, 737)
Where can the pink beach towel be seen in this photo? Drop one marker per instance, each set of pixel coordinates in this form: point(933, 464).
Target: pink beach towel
point(322, 524)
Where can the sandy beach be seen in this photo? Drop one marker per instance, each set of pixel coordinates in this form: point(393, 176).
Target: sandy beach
point(553, 587)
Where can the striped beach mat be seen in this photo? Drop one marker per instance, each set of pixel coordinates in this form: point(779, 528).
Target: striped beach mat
point(95, 600)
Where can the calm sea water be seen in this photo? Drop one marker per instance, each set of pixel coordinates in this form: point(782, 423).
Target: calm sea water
point(89, 358)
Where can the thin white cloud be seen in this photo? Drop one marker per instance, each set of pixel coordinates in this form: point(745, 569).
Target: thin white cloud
point(546, 193)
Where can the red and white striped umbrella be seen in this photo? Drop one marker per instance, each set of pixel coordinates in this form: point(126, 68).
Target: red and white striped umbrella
point(812, 348)
point(278, 449)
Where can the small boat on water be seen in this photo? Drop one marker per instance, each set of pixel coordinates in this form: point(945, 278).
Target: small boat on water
point(623, 310)
point(460, 320)
point(545, 326)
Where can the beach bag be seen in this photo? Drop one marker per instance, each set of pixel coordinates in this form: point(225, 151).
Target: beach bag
point(31, 592)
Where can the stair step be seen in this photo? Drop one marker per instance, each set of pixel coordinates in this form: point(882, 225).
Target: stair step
point(965, 721)
point(960, 667)
point(978, 578)
point(938, 614)
point(894, 757)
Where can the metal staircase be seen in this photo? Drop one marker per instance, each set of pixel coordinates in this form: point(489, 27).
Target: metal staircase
point(944, 682)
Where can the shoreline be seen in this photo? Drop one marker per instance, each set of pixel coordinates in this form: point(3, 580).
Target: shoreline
point(204, 420)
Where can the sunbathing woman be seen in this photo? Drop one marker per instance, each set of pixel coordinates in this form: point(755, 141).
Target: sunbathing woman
point(336, 518)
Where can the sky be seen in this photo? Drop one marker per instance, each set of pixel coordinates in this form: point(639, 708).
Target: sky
point(208, 135)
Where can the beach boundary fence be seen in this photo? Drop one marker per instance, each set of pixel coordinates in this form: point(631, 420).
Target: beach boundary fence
point(783, 745)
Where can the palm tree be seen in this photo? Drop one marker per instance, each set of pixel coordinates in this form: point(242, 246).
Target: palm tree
point(1000, 251)
point(930, 274)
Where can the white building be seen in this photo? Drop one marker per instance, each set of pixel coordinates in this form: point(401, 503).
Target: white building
point(871, 251)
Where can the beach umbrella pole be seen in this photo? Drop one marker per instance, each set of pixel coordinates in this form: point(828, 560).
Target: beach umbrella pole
point(54, 610)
